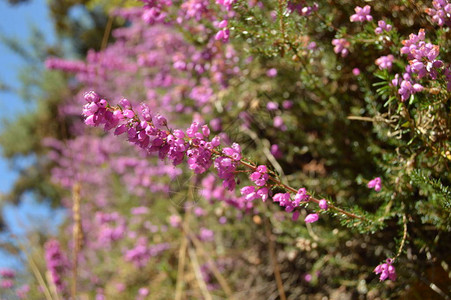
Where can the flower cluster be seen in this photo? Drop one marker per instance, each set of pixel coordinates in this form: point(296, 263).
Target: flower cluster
point(341, 46)
point(362, 14)
point(382, 26)
point(7, 276)
point(375, 183)
point(54, 63)
point(206, 235)
point(153, 12)
point(422, 56)
point(224, 33)
point(142, 252)
point(441, 13)
point(385, 62)
point(301, 7)
point(7, 282)
point(284, 200)
point(212, 191)
point(422, 62)
point(111, 227)
point(227, 4)
point(57, 263)
point(386, 270)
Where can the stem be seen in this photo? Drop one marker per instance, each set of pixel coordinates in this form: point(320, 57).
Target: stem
point(281, 22)
point(198, 274)
point(404, 220)
point(181, 268)
point(39, 277)
point(198, 245)
point(77, 236)
point(275, 265)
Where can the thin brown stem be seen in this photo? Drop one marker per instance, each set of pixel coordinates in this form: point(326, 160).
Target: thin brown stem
point(404, 236)
point(107, 32)
point(77, 236)
point(275, 265)
point(39, 277)
point(221, 280)
point(200, 281)
point(281, 18)
point(181, 262)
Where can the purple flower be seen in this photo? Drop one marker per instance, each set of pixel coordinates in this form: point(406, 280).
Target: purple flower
point(375, 183)
point(441, 13)
point(223, 35)
point(385, 62)
point(7, 273)
point(199, 211)
point(341, 46)
point(311, 218)
point(143, 291)
point(386, 270)
point(323, 204)
point(275, 150)
point(142, 252)
point(271, 72)
point(278, 123)
point(206, 235)
point(287, 104)
point(57, 263)
point(22, 291)
point(272, 105)
point(361, 14)
point(140, 210)
point(175, 221)
point(226, 3)
point(301, 8)
point(382, 26)
point(6, 284)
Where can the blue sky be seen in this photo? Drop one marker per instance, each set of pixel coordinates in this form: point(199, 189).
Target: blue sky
point(16, 21)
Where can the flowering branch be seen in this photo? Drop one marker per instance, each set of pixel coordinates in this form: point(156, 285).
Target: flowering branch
point(151, 132)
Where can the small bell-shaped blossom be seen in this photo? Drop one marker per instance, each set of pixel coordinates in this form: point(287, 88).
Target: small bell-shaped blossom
point(375, 183)
point(386, 270)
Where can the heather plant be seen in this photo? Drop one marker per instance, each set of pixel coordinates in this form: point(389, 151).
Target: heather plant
point(259, 149)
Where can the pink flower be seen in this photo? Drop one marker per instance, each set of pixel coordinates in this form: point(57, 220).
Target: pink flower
point(385, 62)
point(275, 150)
point(311, 218)
point(323, 204)
point(6, 284)
point(386, 270)
point(361, 14)
point(271, 72)
point(175, 220)
point(382, 26)
point(376, 183)
point(341, 46)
